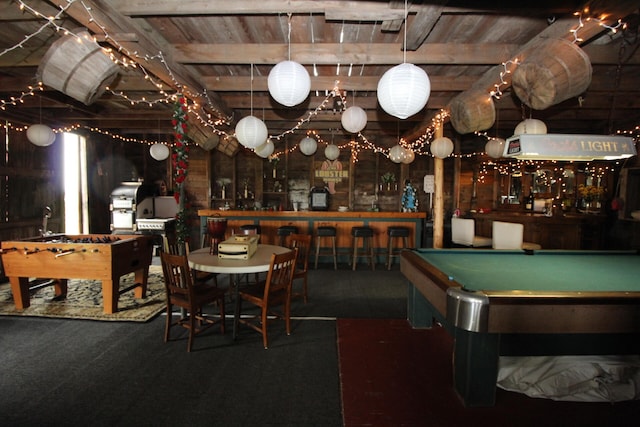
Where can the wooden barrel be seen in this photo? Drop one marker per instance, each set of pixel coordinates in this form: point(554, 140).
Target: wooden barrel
point(550, 73)
point(472, 111)
point(80, 70)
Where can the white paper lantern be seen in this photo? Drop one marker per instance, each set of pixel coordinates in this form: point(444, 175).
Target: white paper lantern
point(530, 126)
point(494, 147)
point(251, 132)
point(404, 90)
point(441, 147)
point(289, 83)
point(159, 151)
point(265, 150)
point(354, 119)
point(409, 156)
point(41, 135)
point(332, 152)
point(397, 154)
point(308, 146)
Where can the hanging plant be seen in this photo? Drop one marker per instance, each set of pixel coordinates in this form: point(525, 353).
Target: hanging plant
point(180, 161)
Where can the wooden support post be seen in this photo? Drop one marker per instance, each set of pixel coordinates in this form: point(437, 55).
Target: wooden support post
point(438, 197)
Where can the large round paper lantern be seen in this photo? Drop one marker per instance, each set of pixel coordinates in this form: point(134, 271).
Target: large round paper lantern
point(530, 126)
point(41, 135)
point(289, 83)
point(159, 151)
point(265, 150)
point(441, 147)
point(404, 90)
point(397, 153)
point(251, 132)
point(494, 147)
point(409, 156)
point(354, 119)
point(332, 152)
point(308, 146)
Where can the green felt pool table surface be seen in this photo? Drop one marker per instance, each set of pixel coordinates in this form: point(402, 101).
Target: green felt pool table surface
point(496, 271)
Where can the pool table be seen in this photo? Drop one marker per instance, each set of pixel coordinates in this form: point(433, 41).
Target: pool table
point(500, 302)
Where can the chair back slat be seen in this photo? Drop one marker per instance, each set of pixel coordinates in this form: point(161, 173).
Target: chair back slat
point(280, 275)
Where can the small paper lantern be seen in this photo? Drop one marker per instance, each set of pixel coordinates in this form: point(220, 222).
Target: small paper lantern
point(530, 126)
point(397, 153)
point(289, 83)
point(494, 147)
point(265, 150)
point(308, 146)
point(251, 132)
point(332, 152)
point(409, 156)
point(159, 151)
point(41, 135)
point(354, 119)
point(441, 147)
point(404, 90)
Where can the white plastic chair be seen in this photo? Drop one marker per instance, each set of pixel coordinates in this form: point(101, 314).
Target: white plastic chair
point(463, 232)
point(510, 235)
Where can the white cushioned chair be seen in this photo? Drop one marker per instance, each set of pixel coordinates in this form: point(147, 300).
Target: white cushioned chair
point(463, 232)
point(510, 235)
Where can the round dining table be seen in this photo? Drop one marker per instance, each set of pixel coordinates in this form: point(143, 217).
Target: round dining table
point(204, 260)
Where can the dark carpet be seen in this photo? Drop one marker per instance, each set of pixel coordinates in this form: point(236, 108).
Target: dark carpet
point(392, 375)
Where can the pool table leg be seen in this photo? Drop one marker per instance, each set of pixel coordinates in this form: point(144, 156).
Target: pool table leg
point(475, 367)
point(420, 312)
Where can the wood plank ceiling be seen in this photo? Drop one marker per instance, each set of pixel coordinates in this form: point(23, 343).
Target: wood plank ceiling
point(221, 52)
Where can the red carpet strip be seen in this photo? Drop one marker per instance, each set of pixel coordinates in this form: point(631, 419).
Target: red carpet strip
point(393, 375)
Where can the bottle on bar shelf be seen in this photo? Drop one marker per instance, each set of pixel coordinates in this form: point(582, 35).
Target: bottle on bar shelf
point(528, 203)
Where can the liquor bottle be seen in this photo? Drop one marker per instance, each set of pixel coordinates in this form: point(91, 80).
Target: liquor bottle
point(528, 204)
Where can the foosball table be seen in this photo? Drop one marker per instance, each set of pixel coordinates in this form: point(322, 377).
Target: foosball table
point(59, 257)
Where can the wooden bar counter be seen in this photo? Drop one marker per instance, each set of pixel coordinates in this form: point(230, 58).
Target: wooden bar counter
point(568, 231)
point(308, 222)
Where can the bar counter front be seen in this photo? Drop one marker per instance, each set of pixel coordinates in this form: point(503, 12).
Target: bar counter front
point(517, 303)
point(309, 221)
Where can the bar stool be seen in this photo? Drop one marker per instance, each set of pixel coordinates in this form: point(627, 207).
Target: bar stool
point(366, 234)
point(323, 233)
point(396, 232)
point(250, 229)
point(284, 231)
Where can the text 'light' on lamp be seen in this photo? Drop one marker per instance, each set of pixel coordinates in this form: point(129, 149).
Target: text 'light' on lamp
point(251, 132)
point(441, 147)
point(41, 135)
point(332, 152)
point(159, 151)
point(404, 90)
point(494, 147)
point(354, 119)
point(397, 153)
point(289, 83)
point(266, 149)
point(308, 146)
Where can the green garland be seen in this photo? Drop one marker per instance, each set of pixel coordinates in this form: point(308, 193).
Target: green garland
point(180, 161)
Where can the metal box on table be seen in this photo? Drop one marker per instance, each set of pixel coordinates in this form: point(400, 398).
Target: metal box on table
point(238, 247)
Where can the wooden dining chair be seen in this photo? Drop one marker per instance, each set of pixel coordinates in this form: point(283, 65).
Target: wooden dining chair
point(170, 245)
point(274, 292)
point(181, 292)
point(303, 243)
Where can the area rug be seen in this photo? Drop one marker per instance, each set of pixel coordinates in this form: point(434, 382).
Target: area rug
point(84, 300)
point(393, 375)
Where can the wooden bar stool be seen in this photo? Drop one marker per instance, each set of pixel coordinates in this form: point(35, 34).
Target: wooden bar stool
point(284, 231)
point(366, 234)
point(396, 232)
point(323, 233)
